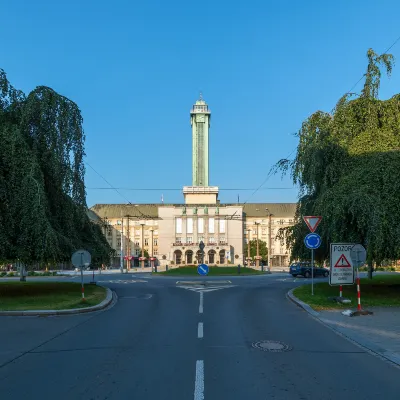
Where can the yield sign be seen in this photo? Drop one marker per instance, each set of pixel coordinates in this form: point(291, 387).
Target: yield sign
point(342, 262)
point(312, 222)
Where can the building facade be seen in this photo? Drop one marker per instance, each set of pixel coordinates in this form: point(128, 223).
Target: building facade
point(170, 234)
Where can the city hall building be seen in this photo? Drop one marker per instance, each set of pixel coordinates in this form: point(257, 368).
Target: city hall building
point(170, 234)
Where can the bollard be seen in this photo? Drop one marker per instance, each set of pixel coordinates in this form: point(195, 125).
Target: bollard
point(238, 269)
point(155, 268)
point(166, 267)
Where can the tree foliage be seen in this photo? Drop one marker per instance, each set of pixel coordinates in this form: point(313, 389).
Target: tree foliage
point(262, 247)
point(346, 167)
point(42, 193)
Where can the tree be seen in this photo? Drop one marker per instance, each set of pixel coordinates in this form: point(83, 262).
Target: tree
point(43, 212)
point(263, 250)
point(345, 166)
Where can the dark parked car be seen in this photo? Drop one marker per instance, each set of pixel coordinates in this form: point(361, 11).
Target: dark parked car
point(304, 269)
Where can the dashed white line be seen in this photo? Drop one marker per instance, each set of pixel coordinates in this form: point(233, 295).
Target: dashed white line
point(201, 303)
point(199, 382)
point(200, 331)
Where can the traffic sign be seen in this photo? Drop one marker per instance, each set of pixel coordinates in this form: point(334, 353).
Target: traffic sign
point(312, 222)
point(342, 262)
point(81, 258)
point(358, 255)
point(202, 269)
point(341, 265)
point(312, 241)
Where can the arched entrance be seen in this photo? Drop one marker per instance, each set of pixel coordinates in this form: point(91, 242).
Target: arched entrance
point(189, 257)
point(178, 257)
point(211, 257)
point(222, 256)
point(199, 257)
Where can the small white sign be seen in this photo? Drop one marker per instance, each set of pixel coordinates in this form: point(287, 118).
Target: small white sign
point(342, 269)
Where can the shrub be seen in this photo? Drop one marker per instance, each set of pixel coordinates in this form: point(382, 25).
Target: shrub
point(11, 274)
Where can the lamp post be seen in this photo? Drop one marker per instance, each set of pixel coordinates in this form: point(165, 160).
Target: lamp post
point(248, 247)
point(269, 238)
point(142, 225)
point(258, 249)
point(152, 252)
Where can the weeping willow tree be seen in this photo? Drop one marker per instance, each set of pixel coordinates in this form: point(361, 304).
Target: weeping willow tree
point(42, 193)
point(347, 168)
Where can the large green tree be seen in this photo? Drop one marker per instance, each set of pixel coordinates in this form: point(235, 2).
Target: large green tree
point(43, 212)
point(346, 166)
point(262, 246)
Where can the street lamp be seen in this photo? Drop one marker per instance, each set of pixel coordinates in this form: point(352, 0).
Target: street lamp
point(258, 249)
point(142, 225)
point(248, 247)
point(269, 238)
point(152, 252)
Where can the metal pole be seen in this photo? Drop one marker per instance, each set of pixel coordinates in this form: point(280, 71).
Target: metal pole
point(152, 251)
point(142, 246)
point(248, 247)
point(121, 259)
point(258, 251)
point(312, 272)
point(83, 288)
point(128, 246)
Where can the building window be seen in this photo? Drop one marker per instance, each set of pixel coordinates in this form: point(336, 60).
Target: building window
point(222, 240)
point(211, 239)
point(119, 222)
point(156, 232)
point(246, 241)
point(221, 226)
point(146, 242)
point(155, 252)
point(137, 243)
point(201, 239)
point(189, 239)
point(119, 243)
point(281, 222)
point(254, 231)
point(178, 240)
point(290, 221)
point(211, 225)
point(189, 225)
point(109, 231)
point(200, 225)
point(137, 252)
point(137, 233)
point(155, 242)
point(178, 225)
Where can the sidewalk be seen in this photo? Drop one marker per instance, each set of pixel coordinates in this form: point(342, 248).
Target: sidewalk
point(379, 332)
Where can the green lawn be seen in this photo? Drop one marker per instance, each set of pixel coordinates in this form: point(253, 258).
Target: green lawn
point(16, 295)
point(382, 290)
point(213, 271)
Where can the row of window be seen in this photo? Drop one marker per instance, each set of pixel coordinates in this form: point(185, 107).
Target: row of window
point(189, 239)
point(137, 243)
point(221, 225)
point(137, 252)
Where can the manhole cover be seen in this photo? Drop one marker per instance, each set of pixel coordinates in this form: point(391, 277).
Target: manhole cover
point(272, 346)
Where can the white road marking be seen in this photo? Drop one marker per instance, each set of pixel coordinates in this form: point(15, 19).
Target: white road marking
point(200, 332)
point(205, 289)
point(199, 382)
point(201, 303)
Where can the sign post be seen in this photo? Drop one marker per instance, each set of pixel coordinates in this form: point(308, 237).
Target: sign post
point(358, 255)
point(80, 259)
point(312, 241)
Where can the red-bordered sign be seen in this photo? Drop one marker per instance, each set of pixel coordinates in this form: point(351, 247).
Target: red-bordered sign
point(342, 262)
point(312, 222)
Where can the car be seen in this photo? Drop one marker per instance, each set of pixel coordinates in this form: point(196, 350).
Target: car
point(304, 269)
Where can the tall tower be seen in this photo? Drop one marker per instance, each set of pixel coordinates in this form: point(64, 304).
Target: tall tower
point(200, 117)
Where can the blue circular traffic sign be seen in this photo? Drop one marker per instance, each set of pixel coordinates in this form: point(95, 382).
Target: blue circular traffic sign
point(312, 241)
point(202, 269)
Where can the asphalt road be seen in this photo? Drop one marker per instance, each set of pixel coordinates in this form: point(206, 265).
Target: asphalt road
point(164, 340)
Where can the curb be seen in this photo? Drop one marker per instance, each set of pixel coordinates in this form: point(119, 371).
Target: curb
point(370, 347)
point(301, 304)
point(105, 303)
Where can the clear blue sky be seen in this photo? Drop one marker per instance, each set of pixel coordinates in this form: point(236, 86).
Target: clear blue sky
point(136, 67)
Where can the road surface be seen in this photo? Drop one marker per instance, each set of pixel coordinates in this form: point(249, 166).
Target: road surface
point(166, 339)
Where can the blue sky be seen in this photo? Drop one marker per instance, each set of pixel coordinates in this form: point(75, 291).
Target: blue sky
point(136, 67)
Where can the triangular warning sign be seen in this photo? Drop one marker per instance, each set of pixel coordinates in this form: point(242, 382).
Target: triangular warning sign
point(342, 262)
point(312, 222)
